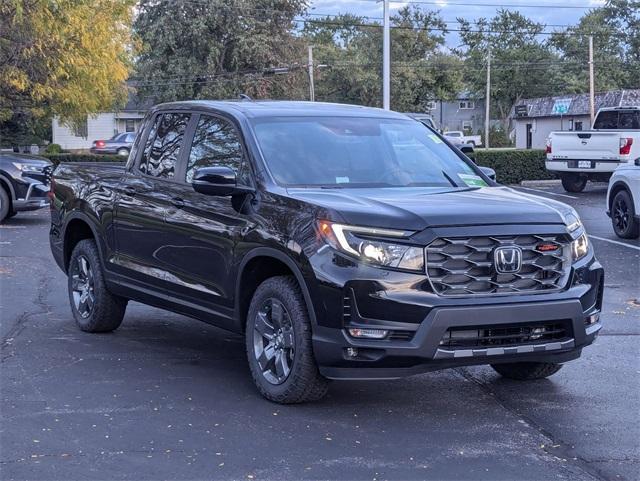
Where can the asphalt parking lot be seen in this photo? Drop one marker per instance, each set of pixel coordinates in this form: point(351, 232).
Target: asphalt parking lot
point(166, 397)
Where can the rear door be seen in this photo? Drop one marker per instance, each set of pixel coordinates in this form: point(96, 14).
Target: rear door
point(144, 198)
point(204, 229)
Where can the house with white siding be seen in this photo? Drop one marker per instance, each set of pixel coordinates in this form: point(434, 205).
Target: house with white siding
point(536, 118)
point(100, 126)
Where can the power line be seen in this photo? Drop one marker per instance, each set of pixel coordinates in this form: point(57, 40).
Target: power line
point(501, 5)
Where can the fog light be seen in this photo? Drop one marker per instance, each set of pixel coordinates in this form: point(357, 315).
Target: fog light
point(537, 333)
point(368, 333)
point(352, 351)
point(592, 319)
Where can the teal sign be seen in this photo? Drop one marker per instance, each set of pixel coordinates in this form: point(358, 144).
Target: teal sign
point(561, 106)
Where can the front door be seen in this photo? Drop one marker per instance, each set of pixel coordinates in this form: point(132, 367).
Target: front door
point(529, 136)
point(143, 200)
point(206, 229)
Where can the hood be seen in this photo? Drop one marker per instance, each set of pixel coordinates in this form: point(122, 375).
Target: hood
point(418, 208)
point(25, 158)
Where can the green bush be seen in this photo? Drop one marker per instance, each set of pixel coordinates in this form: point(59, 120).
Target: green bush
point(59, 158)
point(53, 149)
point(513, 166)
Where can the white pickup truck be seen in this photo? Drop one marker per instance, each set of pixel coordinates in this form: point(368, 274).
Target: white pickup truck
point(458, 137)
point(580, 156)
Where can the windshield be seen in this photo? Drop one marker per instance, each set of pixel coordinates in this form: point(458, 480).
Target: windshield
point(359, 152)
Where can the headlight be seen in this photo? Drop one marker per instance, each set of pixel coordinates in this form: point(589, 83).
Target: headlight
point(357, 242)
point(28, 168)
point(580, 247)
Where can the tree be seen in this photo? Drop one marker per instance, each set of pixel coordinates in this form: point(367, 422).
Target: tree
point(68, 58)
point(420, 69)
point(522, 66)
point(216, 48)
point(616, 30)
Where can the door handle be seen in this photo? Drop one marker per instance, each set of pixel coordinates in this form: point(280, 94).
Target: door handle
point(177, 202)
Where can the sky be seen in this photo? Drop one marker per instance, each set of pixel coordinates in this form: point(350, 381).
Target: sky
point(471, 10)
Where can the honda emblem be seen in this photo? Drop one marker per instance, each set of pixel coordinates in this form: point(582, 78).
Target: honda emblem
point(508, 259)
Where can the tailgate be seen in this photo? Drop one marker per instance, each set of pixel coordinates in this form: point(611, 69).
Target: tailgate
point(589, 145)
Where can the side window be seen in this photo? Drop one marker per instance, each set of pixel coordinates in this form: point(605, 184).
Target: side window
point(163, 145)
point(216, 143)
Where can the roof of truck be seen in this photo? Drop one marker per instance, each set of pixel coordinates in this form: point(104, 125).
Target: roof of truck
point(284, 108)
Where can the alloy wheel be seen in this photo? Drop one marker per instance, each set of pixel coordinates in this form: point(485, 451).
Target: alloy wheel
point(621, 215)
point(274, 341)
point(82, 285)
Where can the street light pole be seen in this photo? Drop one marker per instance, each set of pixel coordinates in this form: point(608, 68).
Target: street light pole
point(487, 101)
point(592, 100)
point(312, 92)
point(386, 59)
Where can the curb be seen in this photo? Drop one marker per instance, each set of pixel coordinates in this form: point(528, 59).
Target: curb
point(526, 183)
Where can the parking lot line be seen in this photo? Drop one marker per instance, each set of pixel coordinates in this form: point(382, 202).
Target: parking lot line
point(547, 192)
point(614, 242)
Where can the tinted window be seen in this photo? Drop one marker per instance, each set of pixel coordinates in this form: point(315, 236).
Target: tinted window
point(606, 120)
point(163, 145)
point(216, 143)
point(629, 120)
point(352, 152)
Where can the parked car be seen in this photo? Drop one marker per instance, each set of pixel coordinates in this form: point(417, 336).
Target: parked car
point(426, 119)
point(343, 242)
point(593, 155)
point(623, 200)
point(24, 183)
point(119, 144)
point(459, 137)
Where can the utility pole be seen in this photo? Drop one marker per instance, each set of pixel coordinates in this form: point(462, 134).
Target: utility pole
point(592, 95)
point(312, 91)
point(487, 101)
point(386, 59)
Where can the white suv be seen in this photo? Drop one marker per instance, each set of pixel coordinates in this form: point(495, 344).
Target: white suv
point(623, 200)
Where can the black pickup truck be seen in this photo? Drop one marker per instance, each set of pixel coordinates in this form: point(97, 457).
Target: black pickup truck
point(343, 242)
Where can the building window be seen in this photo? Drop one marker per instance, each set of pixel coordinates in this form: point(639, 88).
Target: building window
point(467, 105)
point(467, 125)
point(577, 125)
point(432, 105)
point(81, 129)
point(129, 125)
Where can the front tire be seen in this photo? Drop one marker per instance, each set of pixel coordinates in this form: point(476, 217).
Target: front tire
point(573, 182)
point(278, 344)
point(527, 371)
point(94, 308)
point(5, 204)
point(623, 216)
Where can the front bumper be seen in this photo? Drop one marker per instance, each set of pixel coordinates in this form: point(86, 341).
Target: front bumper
point(401, 303)
point(35, 196)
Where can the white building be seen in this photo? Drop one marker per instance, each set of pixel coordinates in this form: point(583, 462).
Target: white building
point(536, 118)
point(101, 126)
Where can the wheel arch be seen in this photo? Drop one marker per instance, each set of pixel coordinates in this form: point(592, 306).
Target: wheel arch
point(266, 262)
point(78, 227)
point(6, 184)
point(617, 187)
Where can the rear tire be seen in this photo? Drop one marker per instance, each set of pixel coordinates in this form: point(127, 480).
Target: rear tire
point(623, 216)
point(278, 344)
point(527, 371)
point(123, 152)
point(573, 182)
point(5, 205)
point(94, 308)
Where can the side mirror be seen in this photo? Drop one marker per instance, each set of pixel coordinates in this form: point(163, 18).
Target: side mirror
point(637, 162)
point(489, 172)
point(220, 181)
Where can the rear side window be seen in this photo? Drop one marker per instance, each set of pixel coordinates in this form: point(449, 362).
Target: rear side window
point(606, 120)
point(163, 146)
point(217, 143)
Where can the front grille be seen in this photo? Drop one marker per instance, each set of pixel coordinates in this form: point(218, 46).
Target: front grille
point(499, 335)
point(465, 265)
